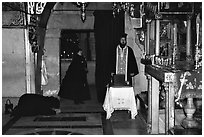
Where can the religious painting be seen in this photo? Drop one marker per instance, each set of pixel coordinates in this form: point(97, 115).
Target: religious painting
point(165, 38)
point(175, 7)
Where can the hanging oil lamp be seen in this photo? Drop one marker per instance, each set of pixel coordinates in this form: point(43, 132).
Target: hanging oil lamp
point(83, 6)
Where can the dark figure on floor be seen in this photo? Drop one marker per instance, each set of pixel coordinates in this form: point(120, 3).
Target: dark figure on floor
point(35, 104)
point(124, 62)
point(74, 85)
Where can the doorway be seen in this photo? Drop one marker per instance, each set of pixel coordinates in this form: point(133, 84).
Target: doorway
point(84, 39)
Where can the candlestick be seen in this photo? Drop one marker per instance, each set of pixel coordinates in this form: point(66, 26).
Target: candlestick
point(148, 37)
point(188, 38)
point(197, 56)
point(197, 28)
point(157, 37)
point(189, 61)
point(175, 34)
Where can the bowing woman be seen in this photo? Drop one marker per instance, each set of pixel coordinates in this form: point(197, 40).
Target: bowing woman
point(74, 85)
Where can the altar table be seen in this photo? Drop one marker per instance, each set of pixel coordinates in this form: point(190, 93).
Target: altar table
point(120, 98)
point(171, 79)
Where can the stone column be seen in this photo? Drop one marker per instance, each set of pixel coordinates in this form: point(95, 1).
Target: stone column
point(169, 103)
point(166, 87)
point(149, 80)
point(155, 106)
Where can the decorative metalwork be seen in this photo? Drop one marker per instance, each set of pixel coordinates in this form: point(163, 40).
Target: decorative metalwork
point(127, 7)
point(32, 32)
point(83, 6)
point(17, 20)
point(198, 53)
point(34, 9)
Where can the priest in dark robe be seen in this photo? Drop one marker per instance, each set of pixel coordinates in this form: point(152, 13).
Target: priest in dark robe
point(124, 61)
point(74, 85)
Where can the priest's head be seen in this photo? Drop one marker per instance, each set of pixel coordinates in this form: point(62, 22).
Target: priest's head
point(123, 40)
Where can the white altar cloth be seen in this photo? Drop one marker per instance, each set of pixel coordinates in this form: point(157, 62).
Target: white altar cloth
point(120, 98)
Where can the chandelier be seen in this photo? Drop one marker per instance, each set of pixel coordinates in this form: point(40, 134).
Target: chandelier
point(127, 7)
point(130, 7)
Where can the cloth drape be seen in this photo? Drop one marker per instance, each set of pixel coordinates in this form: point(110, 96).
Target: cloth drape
point(122, 98)
point(44, 74)
point(107, 32)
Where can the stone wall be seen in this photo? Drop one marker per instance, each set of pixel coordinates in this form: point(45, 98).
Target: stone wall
point(139, 81)
point(13, 62)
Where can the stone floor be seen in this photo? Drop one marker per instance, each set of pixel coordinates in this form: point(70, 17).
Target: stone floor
point(86, 119)
point(95, 122)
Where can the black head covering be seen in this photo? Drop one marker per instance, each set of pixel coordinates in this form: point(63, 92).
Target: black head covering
point(77, 49)
point(123, 35)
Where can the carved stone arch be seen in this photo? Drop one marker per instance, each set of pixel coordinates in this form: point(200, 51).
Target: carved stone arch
point(41, 30)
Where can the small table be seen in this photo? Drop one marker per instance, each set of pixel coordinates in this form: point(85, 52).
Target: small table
point(120, 98)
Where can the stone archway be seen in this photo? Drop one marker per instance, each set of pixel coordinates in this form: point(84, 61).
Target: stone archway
point(45, 18)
